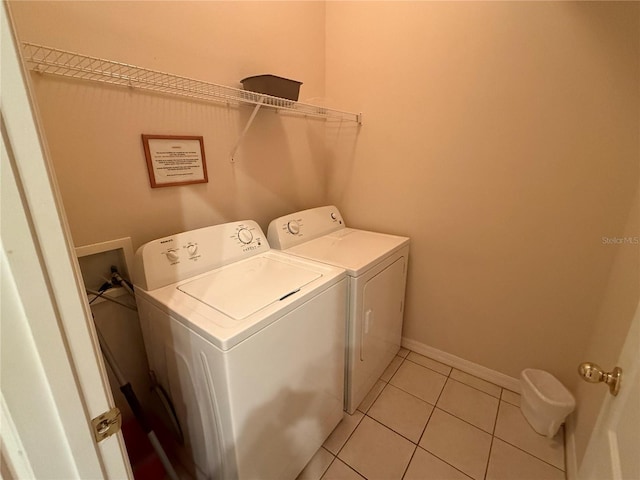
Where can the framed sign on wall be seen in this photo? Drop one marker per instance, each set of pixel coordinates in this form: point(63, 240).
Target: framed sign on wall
point(175, 160)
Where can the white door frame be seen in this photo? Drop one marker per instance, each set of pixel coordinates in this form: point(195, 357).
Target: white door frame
point(54, 381)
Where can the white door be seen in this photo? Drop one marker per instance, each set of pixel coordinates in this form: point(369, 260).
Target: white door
point(52, 379)
point(614, 448)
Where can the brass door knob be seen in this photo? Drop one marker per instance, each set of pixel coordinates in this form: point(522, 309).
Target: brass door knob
point(592, 373)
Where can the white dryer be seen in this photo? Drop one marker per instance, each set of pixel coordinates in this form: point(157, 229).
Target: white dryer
point(376, 266)
point(249, 342)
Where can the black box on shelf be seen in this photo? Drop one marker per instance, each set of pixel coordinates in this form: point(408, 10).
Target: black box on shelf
point(273, 85)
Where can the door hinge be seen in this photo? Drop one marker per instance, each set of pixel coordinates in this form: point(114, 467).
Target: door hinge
point(106, 424)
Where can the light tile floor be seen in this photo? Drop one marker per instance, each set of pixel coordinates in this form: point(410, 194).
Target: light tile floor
point(424, 420)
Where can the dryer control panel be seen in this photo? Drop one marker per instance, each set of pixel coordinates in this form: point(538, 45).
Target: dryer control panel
point(183, 255)
point(295, 228)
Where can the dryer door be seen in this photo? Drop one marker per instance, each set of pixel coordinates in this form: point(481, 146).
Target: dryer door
point(375, 324)
point(381, 329)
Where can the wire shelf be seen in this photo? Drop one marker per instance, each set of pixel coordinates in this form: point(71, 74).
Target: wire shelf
point(54, 61)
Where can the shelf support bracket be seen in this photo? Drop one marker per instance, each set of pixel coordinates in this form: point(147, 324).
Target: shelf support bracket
point(246, 129)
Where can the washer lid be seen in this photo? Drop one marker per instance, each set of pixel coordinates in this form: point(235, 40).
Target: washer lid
point(351, 249)
point(242, 289)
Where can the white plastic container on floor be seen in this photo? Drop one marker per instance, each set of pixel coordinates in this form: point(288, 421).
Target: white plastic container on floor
point(545, 401)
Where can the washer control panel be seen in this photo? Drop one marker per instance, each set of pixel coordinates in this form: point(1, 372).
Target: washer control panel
point(295, 228)
point(178, 257)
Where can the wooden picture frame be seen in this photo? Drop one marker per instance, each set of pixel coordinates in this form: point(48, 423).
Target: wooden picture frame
point(174, 160)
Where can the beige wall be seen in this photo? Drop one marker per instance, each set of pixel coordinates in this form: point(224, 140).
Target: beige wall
point(94, 131)
point(503, 138)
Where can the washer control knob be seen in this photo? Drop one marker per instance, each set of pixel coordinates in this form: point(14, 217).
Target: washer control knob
point(293, 227)
point(192, 249)
point(245, 236)
point(172, 255)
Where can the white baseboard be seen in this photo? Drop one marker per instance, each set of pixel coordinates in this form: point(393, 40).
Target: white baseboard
point(570, 458)
point(500, 379)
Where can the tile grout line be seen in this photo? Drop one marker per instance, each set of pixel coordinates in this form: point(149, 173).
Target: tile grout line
point(429, 368)
point(364, 414)
point(425, 425)
point(383, 381)
point(480, 380)
point(436, 402)
point(502, 399)
point(350, 468)
point(382, 389)
point(493, 436)
point(408, 393)
point(396, 371)
point(444, 461)
point(475, 388)
point(495, 420)
point(463, 420)
point(564, 449)
point(336, 459)
point(431, 415)
point(357, 472)
point(389, 428)
point(416, 445)
point(351, 434)
point(374, 400)
point(525, 451)
point(486, 467)
point(449, 377)
point(530, 454)
point(329, 466)
point(409, 462)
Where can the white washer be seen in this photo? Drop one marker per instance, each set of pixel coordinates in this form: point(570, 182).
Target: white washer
point(376, 266)
point(249, 342)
